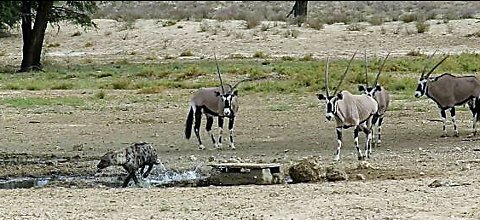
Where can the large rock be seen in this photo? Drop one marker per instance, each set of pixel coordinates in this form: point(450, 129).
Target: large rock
point(307, 170)
point(335, 174)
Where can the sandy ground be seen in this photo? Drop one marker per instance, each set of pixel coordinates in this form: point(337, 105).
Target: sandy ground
point(149, 41)
point(45, 141)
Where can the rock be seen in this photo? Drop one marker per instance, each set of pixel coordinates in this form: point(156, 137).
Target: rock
point(193, 158)
point(363, 165)
point(466, 167)
point(445, 183)
point(335, 174)
point(78, 147)
point(438, 183)
point(360, 176)
point(211, 159)
point(307, 170)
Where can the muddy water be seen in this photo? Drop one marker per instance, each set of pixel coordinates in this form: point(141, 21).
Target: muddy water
point(159, 177)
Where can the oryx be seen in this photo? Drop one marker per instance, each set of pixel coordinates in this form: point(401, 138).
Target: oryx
point(381, 95)
point(217, 102)
point(449, 91)
point(349, 111)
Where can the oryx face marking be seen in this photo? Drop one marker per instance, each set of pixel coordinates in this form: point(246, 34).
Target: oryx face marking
point(330, 105)
point(227, 104)
point(370, 91)
point(227, 100)
point(421, 88)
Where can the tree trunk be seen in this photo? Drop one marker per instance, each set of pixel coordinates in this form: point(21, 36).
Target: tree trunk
point(33, 38)
point(299, 9)
point(26, 32)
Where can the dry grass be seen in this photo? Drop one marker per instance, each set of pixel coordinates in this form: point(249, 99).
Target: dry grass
point(375, 12)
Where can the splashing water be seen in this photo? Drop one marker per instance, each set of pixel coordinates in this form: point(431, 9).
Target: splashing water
point(162, 176)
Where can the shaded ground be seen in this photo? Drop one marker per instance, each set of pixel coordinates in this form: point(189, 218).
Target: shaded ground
point(63, 140)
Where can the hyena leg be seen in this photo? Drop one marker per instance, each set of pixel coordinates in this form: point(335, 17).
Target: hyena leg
point(208, 127)
point(231, 122)
point(220, 131)
point(339, 141)
point(145, 175)
point(198, 122)
point(129, 177)
point(355, 140)
point(452, 113)
point(444, 120)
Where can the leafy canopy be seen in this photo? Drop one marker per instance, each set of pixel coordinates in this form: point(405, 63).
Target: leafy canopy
point(77, 12)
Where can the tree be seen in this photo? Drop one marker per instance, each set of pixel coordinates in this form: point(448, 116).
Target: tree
point(299, 10)
point(40, 14)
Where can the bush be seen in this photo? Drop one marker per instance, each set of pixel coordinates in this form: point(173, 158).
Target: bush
point(422, 26)
point(260, 54)
point(186, 53)
point(376, 20)
point(315, 23)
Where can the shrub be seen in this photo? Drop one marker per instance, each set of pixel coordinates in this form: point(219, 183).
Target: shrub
point(260, 54)
point(315, 23)
point(422, 26)
point(186, 53)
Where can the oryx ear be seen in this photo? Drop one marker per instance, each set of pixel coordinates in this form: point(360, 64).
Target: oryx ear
point(321, 96)
point(217, 93)
point(378, 88)
point(339, 96)
point(235, 93)
point(361, 88)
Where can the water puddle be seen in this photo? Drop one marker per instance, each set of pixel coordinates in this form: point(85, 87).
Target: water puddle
point(159, 177)
point(23, 182)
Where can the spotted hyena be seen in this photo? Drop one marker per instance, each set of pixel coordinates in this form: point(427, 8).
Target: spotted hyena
point(132, 158)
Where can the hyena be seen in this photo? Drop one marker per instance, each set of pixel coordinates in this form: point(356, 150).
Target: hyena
point(132, 158)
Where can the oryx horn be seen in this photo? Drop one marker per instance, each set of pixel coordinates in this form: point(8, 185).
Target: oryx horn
point(366, 70)
point(326, 76)
point(345, 73)
point(438, 64)
point(381, 68)
point(428, 64)
point(218, 71)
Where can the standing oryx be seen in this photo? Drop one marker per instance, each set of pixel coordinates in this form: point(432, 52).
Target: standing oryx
point(381, 95)
point(220, 102)
point(349, 111)
point(449, 91)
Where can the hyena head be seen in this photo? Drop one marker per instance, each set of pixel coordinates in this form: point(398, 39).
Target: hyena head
point(106, 160)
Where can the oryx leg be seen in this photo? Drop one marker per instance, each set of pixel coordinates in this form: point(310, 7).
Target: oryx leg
point(355, 140)
point(198, 122)
point(231, 121)
point(220, 132)
point(379, 130)
point(452, 113)
point(368, 142)
point(375, 121)
point(474, 108)
point(208, 127)
point(444, 120)
point(339, 141)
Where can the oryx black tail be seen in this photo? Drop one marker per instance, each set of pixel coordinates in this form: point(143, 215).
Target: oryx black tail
point(188, 126)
